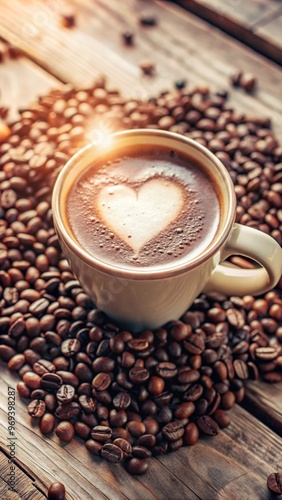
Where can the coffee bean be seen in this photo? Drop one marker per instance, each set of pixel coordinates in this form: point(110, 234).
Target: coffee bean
point(124, 445)
point(147, 440)
point(180, 331)
point(65, 393)
point(17, 328)
point(83, 372)
point(32, 380)
point(188, 376)
point(94, 447)
point(166, 369)
point(87, 403)
point(138, 345)
point(136, 466)
point(175, 445)
point(215, 340)
point(103, 364)
point(122, 400)
point(6, 352)
point(173, 431)
point(274, 483)
point(207, 425)
point(38, 394)
point(160, 448)
point(68, 378)
point(101, 381)
point(156, 385)
point(23, 390)
point(272, 377)
point(68, 411)
point(267, 353)
point(39, 307)
point(112, 453)
point(241, 369)
point(248, 82)
point(138, 375)
point(136, 428)
point(191, 434)
point(42, 366)
point(128, 37)
point(195, 344)
point(65, 431)
point(228, 400)
point(210, 356)
point(16, 362)
point(36, 408)
point(235, 318)
point(101, 433)
point(47, 423)
point(56, 491)
point(82, 430)
point(220, 370)
point(222, 418)
point(70, 347)
point(148, 20)
point(141, 452)
point(51, 381)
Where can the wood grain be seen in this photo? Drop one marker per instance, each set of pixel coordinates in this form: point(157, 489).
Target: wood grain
point(265, 401)
point(270, 29)
point(21, 82)
point(246, 14)
point(25, 484)
point(240, 19)
point(191, 49)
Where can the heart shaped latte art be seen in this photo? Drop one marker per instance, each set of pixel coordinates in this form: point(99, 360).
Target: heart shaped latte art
point(138, 215)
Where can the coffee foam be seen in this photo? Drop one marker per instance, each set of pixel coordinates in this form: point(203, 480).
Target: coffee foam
point(136, 216)
point(162, 207)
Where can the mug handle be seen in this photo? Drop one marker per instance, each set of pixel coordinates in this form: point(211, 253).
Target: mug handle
point(260, 247)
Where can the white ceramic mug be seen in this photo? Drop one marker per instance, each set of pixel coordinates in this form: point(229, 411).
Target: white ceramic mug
point(141, 298)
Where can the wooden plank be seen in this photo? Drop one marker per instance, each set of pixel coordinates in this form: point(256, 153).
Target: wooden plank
point(25, 484)
point(21, 82)
point(237, 460)
point(265, 401)
point(243, 13)
point(271, 29)
point(191, 50)
point(240, 22)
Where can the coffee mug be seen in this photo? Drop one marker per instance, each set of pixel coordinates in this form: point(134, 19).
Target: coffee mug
point(150, 296)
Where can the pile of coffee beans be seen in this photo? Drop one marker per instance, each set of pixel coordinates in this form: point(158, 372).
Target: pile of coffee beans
point(129, 398)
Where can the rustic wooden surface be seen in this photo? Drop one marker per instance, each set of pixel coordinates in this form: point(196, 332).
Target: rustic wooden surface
point(236, 463)
point(258, 23)
point(233, 465)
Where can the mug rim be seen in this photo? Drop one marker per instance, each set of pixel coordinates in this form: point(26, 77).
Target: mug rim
point(153, 272)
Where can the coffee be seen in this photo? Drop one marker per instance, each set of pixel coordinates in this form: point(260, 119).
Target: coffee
point(144, 208)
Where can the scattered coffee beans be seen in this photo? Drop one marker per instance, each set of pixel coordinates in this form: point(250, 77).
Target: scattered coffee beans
point(67, 19)
point(8, 51)
point(148, 68)
point(245, 80)
point(130, 398)
point(128, 37)
point(147, 20)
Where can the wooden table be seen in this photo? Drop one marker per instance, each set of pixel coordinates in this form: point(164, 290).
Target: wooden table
point(237, 462)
